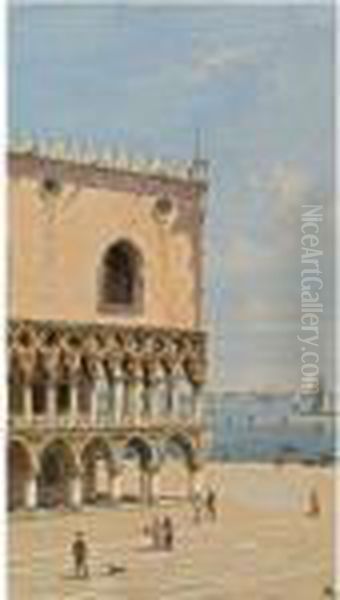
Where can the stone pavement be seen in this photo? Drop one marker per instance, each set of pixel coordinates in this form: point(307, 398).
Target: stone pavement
point(258, 549)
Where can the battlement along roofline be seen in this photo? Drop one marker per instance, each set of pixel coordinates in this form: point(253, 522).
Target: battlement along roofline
point(114, 169)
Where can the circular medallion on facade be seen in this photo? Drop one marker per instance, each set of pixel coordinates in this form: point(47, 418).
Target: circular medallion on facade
point(164, 209)
point(50, 185)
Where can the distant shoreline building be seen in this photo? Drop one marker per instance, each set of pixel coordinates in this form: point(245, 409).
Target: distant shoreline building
point(107, 358)
point(268, 426)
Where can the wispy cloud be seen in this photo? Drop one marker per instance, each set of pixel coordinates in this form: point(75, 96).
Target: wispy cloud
point(262, 248)
point(223, 59)
point(288, 187)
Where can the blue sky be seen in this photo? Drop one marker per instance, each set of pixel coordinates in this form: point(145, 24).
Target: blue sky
point(258, 82)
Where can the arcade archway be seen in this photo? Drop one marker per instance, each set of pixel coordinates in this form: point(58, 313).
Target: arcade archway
point(97, 468)
point(57, 468)
point(137, 457)
point(20, 468)
point(178, 460)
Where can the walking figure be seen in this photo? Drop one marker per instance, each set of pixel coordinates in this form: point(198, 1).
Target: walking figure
point(168, 533)
point(80, 554)
point(211, 504)
point(197, 507)
point(156, 533)
point(314, 504)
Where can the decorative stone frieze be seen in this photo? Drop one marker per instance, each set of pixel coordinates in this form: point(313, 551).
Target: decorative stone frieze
point(58, 350)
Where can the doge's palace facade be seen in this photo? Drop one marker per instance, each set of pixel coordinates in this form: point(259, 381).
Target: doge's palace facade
point(106, 355)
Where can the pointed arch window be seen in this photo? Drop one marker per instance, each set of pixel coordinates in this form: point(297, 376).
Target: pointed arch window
point(121, 277)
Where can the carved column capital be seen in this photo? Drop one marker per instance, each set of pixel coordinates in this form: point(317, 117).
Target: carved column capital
point(69, 365)
point(132, 365)
point(90, 364)
point(25, 361)
point(150, 366)
point(195, 369)
point(112, 362)
point(47, 363)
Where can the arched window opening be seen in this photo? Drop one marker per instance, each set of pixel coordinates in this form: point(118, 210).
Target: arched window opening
point(121, 276)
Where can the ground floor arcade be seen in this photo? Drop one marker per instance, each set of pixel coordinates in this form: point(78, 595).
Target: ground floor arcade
point(61, 472)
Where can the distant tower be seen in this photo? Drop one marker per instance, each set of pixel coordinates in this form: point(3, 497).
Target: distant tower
point(315, 396)
point(319, 395)
point(200, 166)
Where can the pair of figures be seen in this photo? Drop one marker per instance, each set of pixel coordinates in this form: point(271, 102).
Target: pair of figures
point(208, 504)
point(162, 533)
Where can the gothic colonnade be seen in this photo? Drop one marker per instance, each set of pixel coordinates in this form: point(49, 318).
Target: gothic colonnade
point(62, 473)
point(102, 401)
point(100, 383)
point(105, 380)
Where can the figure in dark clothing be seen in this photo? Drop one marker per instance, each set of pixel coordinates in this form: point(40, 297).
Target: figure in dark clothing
point(80, 555)
point(168, 533)
point(156, 533)
point(211, 504)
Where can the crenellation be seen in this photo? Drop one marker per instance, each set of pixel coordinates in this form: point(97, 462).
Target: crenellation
point(111, 159)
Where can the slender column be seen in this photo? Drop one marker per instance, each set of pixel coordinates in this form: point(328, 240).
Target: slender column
point(151, 391)
point(28, 402)
point(51, 401)
point(197, 403)
point(102, 391)
point(119, 395)
point(111, 405)
point(76, 491)
point(93, 405)
point(131, 398)
point(138, 397)
point(157, 396)
point(158, 393)
point(161, 396)
point(183, 395)
point(143, 486)
point(152, 485)
point(176, 396)
point(73, 403)
point(31, 492)
point(116, 486)
point(127, 396)
point(101, 483)
point(148, 401)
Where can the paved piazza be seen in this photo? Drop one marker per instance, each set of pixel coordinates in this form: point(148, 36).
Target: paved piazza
point(262, 546)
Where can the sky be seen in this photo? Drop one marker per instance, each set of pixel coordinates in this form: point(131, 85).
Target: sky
point(258, 83)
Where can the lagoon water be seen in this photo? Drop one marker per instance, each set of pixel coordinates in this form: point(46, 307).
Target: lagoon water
point(245, 427)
